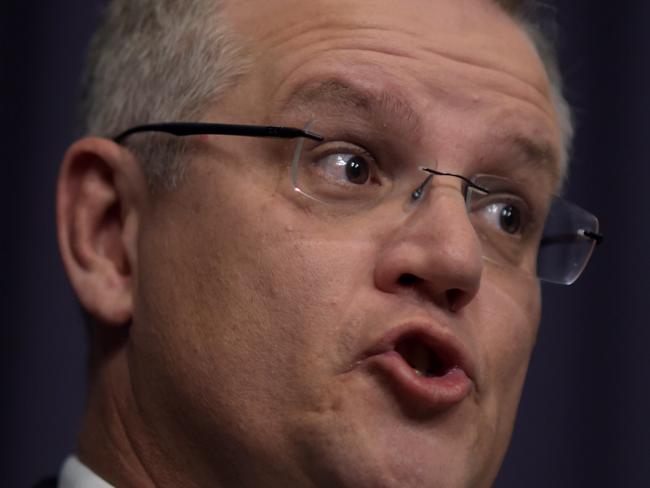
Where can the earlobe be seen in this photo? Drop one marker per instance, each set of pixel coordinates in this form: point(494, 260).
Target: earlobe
point(99, 199)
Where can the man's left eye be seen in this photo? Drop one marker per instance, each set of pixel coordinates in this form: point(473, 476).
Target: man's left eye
point(349, 168)
point(507, 216)
point(356, 170)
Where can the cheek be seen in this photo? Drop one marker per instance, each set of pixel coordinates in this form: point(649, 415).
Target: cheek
point(310, 290)
point(249, 302)
point(507, 331)
point(507, 325)
point(504, 327)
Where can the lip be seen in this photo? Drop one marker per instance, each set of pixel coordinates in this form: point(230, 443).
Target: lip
point(429, 393)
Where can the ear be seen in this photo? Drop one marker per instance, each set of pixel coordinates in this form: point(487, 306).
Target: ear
point(101, 195)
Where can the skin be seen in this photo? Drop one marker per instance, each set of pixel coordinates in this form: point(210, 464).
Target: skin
point(231, 312)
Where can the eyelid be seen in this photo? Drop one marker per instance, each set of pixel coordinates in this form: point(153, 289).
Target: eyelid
point(341, 146)
point(331, 147)
point(529, 219)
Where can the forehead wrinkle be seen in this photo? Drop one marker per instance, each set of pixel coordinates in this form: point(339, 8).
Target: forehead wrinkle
point(493, 69)
point(386, 107)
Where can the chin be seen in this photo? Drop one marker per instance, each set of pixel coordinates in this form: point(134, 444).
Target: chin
point(399, 470)
point(399, 456)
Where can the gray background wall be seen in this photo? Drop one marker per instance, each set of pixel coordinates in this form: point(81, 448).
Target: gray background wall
point(584, 414)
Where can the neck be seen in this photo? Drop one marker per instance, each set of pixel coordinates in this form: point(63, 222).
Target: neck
point(140, 436)
point(108, 444)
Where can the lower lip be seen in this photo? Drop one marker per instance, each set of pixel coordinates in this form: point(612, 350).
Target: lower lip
point(425, 392)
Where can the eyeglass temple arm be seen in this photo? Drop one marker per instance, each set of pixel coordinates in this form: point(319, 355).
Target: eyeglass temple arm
point(199, 128)
point(568, 238)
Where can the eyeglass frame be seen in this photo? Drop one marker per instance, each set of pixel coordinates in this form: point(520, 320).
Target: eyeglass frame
point(183, 129)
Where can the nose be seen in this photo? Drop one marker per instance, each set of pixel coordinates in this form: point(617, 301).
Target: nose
point(435, 254)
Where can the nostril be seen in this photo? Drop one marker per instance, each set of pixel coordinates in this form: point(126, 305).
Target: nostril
point(451, 299)
point(408, 279)
point(454, 295)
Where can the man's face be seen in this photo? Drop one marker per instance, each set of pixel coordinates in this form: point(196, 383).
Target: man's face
point(272, 334)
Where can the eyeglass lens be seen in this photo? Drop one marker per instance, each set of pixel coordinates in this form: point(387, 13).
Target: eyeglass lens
point(519, 226)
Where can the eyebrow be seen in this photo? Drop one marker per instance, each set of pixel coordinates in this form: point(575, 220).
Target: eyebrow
point(539, 154)
point(385, 108)
point(392, 110)
point(536, 151)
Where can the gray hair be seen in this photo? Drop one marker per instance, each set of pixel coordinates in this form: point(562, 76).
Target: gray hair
point(167, 60)
point(157, 60)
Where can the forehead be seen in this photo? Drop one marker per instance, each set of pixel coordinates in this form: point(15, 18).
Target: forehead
point(438, 56)
point(475, 32)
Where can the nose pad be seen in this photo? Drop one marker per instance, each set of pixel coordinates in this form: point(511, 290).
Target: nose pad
point(417, 194)
point(436, 253)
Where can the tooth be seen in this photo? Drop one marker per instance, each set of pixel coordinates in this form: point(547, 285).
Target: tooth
point(420, 359)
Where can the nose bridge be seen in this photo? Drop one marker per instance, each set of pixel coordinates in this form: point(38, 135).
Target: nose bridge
point(435, 250)
point(447, 184)
point(441, 228)
point(442, 212)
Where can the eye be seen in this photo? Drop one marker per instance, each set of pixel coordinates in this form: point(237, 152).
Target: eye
point(341, 172)
point(508, 216)
point(357, 170)
point(346, 168)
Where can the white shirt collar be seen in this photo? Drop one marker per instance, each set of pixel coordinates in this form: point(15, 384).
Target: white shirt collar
point(75, 474)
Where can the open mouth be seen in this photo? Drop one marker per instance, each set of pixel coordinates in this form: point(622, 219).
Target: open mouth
point(424, 360)
point(425, 368)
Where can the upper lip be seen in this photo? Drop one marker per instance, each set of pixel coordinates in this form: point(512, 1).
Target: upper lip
point(451, 350)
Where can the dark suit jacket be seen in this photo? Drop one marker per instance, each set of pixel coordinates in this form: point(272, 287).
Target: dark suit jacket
point(47, 483)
